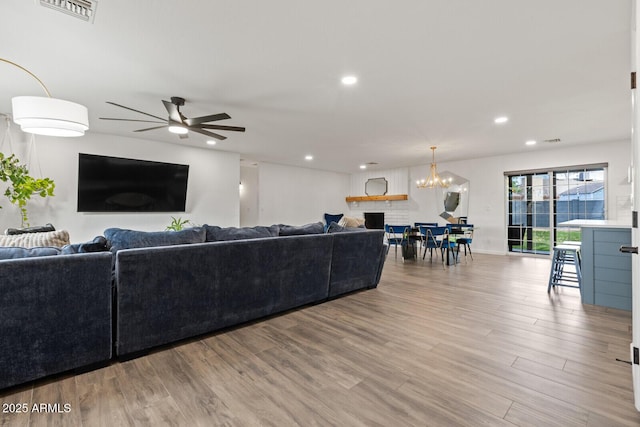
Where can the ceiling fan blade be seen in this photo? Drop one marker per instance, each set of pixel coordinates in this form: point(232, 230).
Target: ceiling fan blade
point(131, 120)
point(137, 111)
point(221, 127)
point(155, 127)
point(207, 133)
point(172, 109)
point(212, 118)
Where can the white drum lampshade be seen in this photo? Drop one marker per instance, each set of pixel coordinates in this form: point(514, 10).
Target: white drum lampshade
point(50, 116)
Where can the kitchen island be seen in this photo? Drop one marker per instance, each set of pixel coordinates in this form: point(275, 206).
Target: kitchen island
point(606, 272)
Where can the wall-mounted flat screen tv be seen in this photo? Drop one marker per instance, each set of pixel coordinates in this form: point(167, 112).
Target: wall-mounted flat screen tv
point(114, 184)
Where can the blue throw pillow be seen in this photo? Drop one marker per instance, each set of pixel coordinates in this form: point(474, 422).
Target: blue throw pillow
point(329, 218)
point(219, 234)
point(119, 238)
point(293, 230)
point(15, 253)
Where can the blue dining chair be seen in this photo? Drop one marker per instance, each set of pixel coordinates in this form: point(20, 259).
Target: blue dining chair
point(396, 235)
point(424, 224)
point(463, 234)
point(436, 238)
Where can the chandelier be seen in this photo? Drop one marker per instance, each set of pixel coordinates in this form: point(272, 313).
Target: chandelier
point(434, 179)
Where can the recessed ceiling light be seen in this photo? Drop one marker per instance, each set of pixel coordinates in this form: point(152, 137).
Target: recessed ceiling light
point(500, 120)
point(349, 80)
point(530, 142)
point(211, 142)
point(363, 166)
point(308, 157)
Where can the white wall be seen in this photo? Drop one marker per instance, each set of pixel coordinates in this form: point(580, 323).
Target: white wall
point(296, 196)
point(487, 198)
point(487, 202)
point(395, 212)
point(212, 194)
point(248, 196)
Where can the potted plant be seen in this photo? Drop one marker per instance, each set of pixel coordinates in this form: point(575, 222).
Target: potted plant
point(177, 224)
point(22, 185)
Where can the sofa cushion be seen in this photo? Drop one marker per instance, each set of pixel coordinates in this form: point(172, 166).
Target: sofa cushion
point(35, 229)
point(119, 238)
point(98, 244)
point(15, 253)
point(297, 230)
point(218, 234)
point(57, 238)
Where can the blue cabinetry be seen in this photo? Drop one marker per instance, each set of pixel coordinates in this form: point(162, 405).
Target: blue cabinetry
point(606, 272)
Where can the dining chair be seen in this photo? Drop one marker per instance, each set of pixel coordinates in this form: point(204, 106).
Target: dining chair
point(463, 236)
point(436, 238)
point(424, 224)
point(397, 235)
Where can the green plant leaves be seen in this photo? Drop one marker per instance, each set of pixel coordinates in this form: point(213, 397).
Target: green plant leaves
point(23, 185)
point(177, 224)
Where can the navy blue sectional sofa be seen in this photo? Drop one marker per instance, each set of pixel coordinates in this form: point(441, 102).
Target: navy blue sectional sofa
point(57, 312)
point(168, 293)
point(55, 315)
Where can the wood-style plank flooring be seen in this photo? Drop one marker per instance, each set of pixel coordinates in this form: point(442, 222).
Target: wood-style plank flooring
point(480, 343)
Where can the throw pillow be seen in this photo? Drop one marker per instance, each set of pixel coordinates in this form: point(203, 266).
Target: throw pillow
point(329, 218)
point(36, 229)
point(219, 234)
point(119, 238)
point(57, 238)
point(334, 227)
point(15, 253)
point(349, 221)
point(293, 230)
point(98, 244)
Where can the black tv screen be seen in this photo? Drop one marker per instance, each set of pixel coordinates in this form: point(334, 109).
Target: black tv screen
point(114, 184)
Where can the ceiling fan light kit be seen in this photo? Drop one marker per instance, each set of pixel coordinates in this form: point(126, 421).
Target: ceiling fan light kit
point(178, 123)
point(179, 130)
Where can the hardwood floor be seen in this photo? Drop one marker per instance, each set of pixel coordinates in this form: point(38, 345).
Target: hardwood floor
point(480, 343)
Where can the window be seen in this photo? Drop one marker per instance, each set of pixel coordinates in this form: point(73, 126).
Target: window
point(540, 200)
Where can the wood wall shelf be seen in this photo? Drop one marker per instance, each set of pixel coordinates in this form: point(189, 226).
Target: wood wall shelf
point(377, 198)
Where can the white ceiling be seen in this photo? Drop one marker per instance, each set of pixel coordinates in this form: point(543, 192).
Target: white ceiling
point(431, 72)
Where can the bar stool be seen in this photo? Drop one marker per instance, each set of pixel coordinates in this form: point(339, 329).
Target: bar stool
point(575, 243)
point(565, 255)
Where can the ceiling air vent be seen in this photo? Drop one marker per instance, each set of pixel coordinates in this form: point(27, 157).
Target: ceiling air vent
point(552, 141)
point(83, 9)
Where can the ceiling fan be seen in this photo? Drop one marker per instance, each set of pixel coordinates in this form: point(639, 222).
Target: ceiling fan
point(179, 124)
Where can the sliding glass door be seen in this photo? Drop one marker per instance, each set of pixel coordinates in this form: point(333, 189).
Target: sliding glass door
point(538, 201)
point(577, 194)
point(528, 221)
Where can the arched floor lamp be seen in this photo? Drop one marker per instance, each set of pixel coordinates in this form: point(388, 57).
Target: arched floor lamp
point(47, 115)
